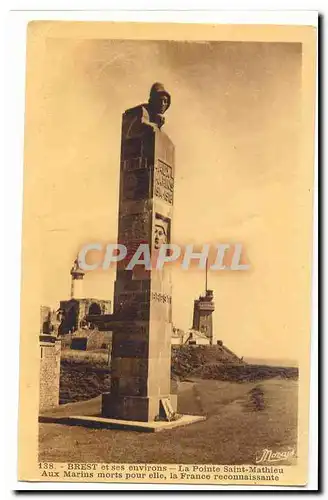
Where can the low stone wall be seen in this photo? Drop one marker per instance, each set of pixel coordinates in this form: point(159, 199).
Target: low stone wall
point(95, 340)
point(50, 349)
point(66, 340)
point(98, 340)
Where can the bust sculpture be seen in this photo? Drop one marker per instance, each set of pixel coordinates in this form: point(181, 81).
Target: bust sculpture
point(150, 114)
point(159, 101)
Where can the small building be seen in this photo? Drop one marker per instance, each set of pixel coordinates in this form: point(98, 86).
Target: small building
point(197, 338)
point(191, 337)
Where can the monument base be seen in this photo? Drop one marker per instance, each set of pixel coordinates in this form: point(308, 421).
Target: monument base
point(88, 414)
point(129, 425)
point(135, 408)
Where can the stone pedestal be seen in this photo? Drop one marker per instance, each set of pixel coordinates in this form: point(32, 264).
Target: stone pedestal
point(141, 351)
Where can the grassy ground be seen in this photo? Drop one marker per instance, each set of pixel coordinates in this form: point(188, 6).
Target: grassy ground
point(83, 375)
point(97, 358)
point(86, 374)
point(236, 430)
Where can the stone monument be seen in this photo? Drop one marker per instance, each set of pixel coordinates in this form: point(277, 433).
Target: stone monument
point(140, 396)
point(141, 350)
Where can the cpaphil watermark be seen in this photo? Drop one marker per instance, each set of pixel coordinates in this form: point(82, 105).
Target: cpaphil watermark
point(219, 257)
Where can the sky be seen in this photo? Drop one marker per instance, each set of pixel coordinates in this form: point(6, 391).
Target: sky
point(235, 119)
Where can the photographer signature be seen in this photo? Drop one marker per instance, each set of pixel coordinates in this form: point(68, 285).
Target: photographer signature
point(270, 456)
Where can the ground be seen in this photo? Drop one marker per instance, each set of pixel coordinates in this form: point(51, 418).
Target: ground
point(240, 423)
point(86, 374)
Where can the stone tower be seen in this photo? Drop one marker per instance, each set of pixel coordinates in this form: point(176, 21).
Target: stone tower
point(202, 318)
point(141, 350)
point(77, 276)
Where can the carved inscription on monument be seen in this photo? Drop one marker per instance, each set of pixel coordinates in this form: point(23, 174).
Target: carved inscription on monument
point(167, 408)
point(161, 297)
point(164, 182)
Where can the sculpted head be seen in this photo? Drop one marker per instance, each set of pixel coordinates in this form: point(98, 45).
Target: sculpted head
point(159, 99)
point(160, 235)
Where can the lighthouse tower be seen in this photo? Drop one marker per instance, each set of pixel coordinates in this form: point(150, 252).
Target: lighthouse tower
point(203, 311)
point(77, 275)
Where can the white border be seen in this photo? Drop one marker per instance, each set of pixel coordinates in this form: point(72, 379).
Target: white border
point(15, 26)
point(204, 15)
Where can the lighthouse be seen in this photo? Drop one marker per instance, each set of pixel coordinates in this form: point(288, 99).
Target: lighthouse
point(203, 311)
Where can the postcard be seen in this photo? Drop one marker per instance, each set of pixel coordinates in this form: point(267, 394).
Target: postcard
point(167, 253)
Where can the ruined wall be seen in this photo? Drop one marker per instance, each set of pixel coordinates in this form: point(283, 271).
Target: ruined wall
point(45, 314)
